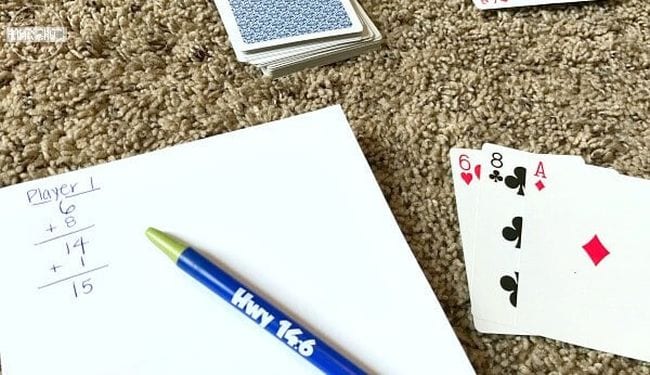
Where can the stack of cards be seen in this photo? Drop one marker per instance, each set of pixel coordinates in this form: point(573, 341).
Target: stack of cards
point(556, 248)
point(284, 36)
point(498, 4)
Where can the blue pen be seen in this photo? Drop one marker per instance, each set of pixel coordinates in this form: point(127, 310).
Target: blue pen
point(274, 321)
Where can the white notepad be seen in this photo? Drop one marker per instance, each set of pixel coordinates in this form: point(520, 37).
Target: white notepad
point(291, 207)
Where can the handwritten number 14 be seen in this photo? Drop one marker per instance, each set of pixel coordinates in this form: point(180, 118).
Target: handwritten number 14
point(80, 242)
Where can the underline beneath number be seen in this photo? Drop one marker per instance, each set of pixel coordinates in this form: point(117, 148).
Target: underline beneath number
point(64, 235)
point(72, 277)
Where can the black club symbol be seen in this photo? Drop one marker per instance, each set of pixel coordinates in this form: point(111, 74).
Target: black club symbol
point(496, 176)
point(511, 285)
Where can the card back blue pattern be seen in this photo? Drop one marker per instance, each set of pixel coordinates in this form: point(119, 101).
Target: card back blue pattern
point(266, 20)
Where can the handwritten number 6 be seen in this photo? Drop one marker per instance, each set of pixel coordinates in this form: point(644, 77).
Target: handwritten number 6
point(68, 210)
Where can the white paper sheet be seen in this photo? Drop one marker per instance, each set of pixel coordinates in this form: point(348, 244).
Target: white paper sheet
point(291, 207)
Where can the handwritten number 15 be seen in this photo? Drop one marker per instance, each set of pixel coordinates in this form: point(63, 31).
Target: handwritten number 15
point(85, 288)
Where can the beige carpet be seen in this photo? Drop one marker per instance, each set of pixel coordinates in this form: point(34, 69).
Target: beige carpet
point(139, 75)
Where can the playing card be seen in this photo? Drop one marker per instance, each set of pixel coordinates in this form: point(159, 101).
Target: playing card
point(497, 4)
point(586, 269)
point(254, 25)
point(499, 228)
point(466, 171)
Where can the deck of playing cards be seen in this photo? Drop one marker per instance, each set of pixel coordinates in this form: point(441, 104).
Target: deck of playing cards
point(284, 36)
point(555, 247)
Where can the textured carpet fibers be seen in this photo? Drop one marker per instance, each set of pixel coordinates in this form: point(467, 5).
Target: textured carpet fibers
point(139, 75)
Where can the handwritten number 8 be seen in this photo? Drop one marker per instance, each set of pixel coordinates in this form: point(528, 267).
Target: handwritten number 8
point(70, 221)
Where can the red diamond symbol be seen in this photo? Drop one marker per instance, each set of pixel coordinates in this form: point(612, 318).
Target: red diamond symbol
point(540, 185)
point(596, 250)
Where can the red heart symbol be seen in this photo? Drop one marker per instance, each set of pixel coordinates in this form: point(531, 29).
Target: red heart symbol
point(477, 171)
point(467, 177)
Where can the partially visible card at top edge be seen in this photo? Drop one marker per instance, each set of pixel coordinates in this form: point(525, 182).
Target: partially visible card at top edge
point(466, 172)
point(499, 4)
point(509, 177)
point(254, 25)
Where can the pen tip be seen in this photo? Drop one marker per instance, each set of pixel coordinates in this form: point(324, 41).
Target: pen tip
point(169, 245)
point(152, 232)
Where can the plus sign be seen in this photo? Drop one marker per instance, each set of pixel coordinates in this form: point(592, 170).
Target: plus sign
point(55, 267)
point(50, 228)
